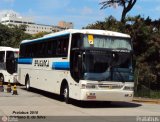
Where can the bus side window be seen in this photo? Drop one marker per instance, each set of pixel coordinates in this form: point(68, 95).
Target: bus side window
point(76, 41)
point(36, 50)
point(65, 46)
point(10, 55)
point(58, 51)
point(48, 49)
point(27, 51)
point(33, 50)
point(62, 47)
point(42, 50)
point(2, 54)
point(22, 51)
point(54, 48)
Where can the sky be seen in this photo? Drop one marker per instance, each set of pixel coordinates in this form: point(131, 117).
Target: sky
point(80, 12)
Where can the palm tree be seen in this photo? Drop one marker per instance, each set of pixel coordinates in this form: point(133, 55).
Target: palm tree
point(126, 4)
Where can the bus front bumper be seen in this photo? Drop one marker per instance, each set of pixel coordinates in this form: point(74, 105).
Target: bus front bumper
point(106, 95)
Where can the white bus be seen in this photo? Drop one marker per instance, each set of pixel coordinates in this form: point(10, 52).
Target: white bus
point(8, 64)
point(86, 65)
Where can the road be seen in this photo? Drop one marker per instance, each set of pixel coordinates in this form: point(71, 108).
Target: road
point(43, 104)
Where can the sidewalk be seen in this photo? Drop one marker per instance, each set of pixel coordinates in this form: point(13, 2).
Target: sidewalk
point(146, 100)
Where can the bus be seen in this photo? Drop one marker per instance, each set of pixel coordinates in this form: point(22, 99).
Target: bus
point(82, 64)
point(8, 64)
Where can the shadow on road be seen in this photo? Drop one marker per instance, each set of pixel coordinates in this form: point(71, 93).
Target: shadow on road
point(104, 104)
point(45, 93)
point(87, 104)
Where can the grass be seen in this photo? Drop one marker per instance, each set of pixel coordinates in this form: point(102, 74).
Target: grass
point(148, 94)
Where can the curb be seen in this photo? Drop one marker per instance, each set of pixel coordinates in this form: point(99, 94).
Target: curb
point(147, 100)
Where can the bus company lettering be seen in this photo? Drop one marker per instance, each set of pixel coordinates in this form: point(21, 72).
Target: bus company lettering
point(41, 63)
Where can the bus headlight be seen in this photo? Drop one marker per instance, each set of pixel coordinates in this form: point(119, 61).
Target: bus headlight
point(88, 86)
point(128, 88)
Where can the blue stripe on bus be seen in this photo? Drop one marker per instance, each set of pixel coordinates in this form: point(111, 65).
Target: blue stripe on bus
point(45, 38)
point(61, 65)
point(25, 61)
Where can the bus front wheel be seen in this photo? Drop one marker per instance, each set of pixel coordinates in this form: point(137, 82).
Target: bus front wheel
point(66, 94)
point(27, 83)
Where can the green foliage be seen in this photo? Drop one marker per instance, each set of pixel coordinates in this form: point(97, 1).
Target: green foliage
point(12, 35)
point(145, 34)
point(127, 5)
point(110, 23)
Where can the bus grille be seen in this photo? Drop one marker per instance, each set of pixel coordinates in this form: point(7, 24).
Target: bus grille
point(110, 86)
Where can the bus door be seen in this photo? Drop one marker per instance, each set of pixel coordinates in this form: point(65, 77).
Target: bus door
point(2, 60)
point(11, 63)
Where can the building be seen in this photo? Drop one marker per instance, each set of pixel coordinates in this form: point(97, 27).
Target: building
point(66, 25)
point(32, 28)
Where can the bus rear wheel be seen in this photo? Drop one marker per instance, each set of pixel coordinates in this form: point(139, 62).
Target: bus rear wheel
point(27, 84)
point(2, 78)
point(66, 94)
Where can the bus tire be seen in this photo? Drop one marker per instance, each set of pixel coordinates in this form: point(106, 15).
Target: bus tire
point(66, 94)
point(27, 83)
point(2, 78)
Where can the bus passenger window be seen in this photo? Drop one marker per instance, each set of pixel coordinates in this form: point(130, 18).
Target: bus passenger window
point(76, 41)
point(10, 55)
point(62, 47)
point(54, 48)
point(49, 49)
point(2, 54)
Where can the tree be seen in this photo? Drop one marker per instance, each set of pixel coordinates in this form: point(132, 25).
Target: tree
point(5, 35)
point(126, 4)
point(12, 35)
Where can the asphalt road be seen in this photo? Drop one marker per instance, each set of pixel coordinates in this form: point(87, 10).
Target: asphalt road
point(39, 106)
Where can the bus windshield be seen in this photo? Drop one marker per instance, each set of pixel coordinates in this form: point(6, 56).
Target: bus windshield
point(104, 66)
point(99, 41)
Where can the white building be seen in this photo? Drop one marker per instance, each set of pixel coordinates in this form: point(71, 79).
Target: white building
point(32, 28)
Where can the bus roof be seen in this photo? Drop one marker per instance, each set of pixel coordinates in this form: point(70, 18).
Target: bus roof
point(83, 31)
point(3, 48)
